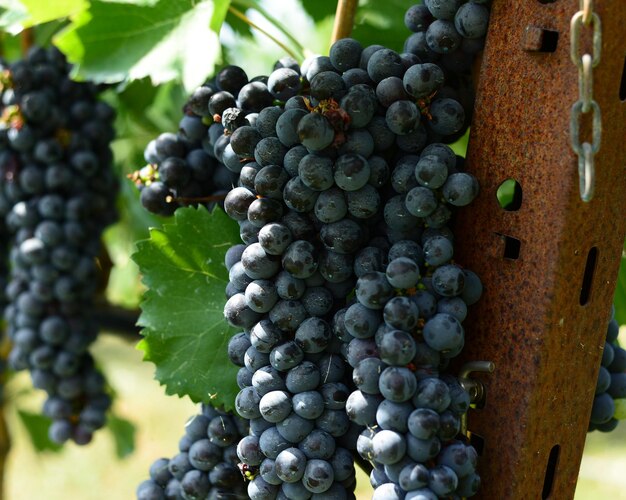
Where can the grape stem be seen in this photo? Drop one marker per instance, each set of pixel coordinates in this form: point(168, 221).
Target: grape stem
point(27, 40)
point(252, 24)
point(344, 19)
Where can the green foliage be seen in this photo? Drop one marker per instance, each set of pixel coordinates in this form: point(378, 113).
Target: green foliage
point(319, 9)
point(506, 193)
point(123, 432)
point(12, 15)
point(18, 14)
point(293, 43)
point(381, 23)
point(42, 12)
point(238, 26)
point(115, 41)
point(220, 8)
point(36, 426)
point(185, 334)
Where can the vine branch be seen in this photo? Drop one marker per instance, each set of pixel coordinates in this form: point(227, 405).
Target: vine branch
point(117, 320)
point(344, 19)
point(252, 24)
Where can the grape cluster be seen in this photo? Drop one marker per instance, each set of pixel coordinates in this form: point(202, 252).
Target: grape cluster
point(449, 33)
point(197, 165)
point(344, 183)
point(206, 465)
point(349, 181)
point(58, 189)
point(400, 333)
point(609, 404)
point(404, 327)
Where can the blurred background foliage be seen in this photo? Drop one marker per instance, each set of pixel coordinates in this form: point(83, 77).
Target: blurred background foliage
point(148, 72)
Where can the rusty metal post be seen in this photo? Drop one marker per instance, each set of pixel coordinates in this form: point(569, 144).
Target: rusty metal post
point(549, 267)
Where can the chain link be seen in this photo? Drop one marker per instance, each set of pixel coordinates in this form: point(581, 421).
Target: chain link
point(586, 151)
point(586, 83)
point(587, 9)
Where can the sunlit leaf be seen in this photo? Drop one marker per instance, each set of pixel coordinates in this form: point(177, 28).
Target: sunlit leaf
point(115, 41)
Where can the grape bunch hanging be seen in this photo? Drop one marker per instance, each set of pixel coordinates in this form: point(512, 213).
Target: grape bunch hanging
point(609, 403)
point(206, 465)
point(58, 188)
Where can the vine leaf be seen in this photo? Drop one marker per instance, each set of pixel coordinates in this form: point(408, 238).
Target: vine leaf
point(123, 433)
point(37, 426)
point(42, 12)
point(238, 26)
point(185, 334)
point(114, 40)
point(319, 9)
point(382, 22)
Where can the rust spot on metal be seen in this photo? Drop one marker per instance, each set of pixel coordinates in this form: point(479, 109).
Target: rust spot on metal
point(530, 322)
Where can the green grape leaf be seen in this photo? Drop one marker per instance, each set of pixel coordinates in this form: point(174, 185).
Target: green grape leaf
point(238, 26)
point(220, 8)
point(319, 9)
point(185, 333)
point(37, 426)
point(42, 12)
point(137, 95)
point(15, 15)
point(164, 40)
point(381, 23)
point(123, 433)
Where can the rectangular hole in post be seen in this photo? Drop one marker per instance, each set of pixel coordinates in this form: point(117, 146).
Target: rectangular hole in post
point(550, 41)
point(512, 247)
point(590, 268)
point(478, 442)
point(622, 87)
point(553, 462)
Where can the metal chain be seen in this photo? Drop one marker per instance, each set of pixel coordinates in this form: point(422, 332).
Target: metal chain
point(586, 151)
